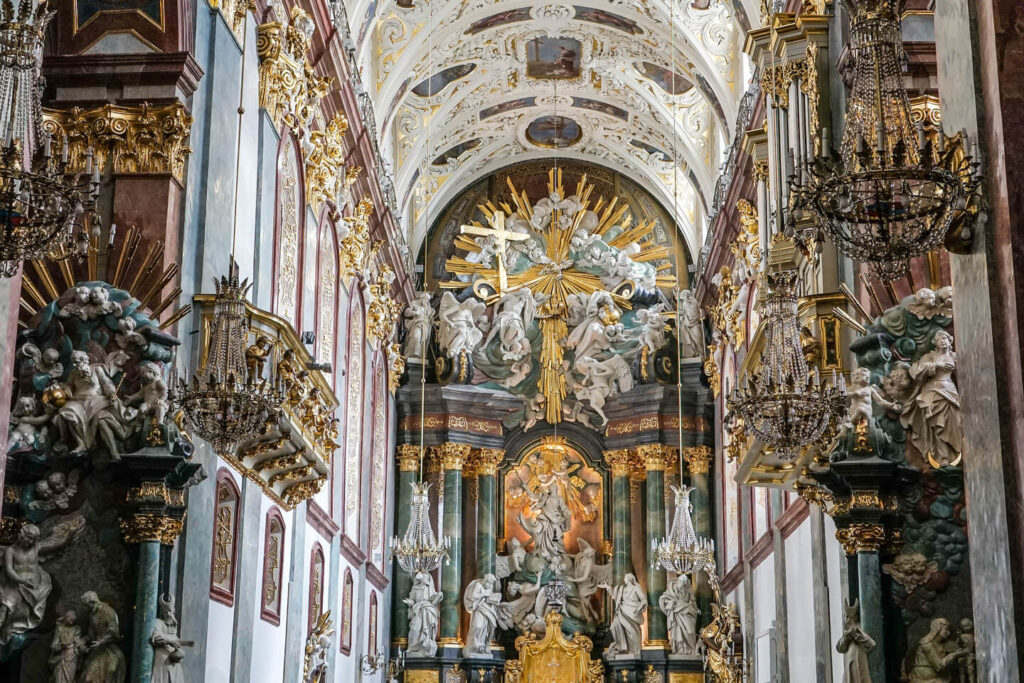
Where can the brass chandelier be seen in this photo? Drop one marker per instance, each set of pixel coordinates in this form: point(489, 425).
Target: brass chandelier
point(786, 406)
point(892, 194)
point(40, 210)
point(224, 403)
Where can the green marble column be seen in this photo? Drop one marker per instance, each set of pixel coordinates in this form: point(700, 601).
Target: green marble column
point(653, 456)
point(147, 589)
point(622, 561)
point(487, 461)
point(865, 541)
point(452, 456)
point(408, 457)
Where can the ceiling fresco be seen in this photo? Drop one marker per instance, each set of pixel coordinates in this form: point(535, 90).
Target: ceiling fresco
point(495, 83)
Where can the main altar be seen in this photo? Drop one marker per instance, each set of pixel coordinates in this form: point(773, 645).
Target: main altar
point(554, 402)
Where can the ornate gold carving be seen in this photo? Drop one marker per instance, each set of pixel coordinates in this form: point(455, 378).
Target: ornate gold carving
point(325, 161)
point(295, 474)
point(138, 139)
point(151, 490)
point(234, 12)
point(618, 460)
point(452, 455)
point(747, 243)
point(421, 676)
point(12, 494)
point(288, 250)
point(290, 90)
point(760, 171)
point(487, 460)
point(382, 312)
point(554, 658)
point(698, 459)
point(408, 457)
point(775, 86)
point(280, 462)
point(321, 629)
point(142, 527)
point(652, 676)
point(354, 250)
point(396, 366)
point(411, 423)
point(861, 537)
point(297, 493)
point(653, 456)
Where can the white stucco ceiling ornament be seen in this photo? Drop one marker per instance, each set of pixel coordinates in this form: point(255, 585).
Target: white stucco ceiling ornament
point(494, 69)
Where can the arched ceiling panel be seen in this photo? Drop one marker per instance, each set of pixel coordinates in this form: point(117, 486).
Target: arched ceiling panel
point(495, 83)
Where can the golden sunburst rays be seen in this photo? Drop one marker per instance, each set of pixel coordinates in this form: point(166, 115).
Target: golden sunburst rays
point(142, 277)
point(555, 277)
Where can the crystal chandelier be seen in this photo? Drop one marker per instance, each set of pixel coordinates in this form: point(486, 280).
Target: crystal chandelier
point(224, 403)
point(892, 195)
point(419, 550)
point(787, 407)
point(39, 208)
point(682, 551)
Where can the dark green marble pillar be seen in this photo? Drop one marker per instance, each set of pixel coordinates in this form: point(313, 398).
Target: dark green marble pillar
point(486, 464)
point(452, 456)
point(147, 589)
point(408, 457)
point(869, 591)
point(622, 561)
point(654, 458)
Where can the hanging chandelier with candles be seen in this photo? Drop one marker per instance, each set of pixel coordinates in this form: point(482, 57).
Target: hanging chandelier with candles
point(892, 194)
point(682, 551)
point(42, 213)
point(418, 550)
point(224, 403)
point(787, 406)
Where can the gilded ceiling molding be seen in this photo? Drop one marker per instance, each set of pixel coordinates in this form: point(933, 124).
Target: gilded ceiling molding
point(290, 90)
point(136, 139)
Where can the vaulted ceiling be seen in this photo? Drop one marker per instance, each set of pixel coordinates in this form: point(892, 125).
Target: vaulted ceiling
point(598, 81)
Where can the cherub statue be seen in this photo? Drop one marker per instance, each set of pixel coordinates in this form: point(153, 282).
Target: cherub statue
point(126, 335)
point(151, 398)
point(287, 371)
point(100, 303)
point(55, 491)
point(78, 306)
point(28, 427)
point(863, 395)
point(256, 358)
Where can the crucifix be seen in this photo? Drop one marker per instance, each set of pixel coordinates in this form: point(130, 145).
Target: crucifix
point(501, 238)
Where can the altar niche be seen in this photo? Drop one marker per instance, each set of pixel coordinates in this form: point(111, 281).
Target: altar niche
point(554, 522)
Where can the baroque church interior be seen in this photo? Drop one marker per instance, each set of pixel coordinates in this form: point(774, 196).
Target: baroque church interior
point(451, 341)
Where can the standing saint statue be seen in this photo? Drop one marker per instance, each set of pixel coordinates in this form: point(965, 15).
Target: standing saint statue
point(680, 607)
point(419, 319)
point(481, 601)
point(423, 616)
point(105, 662)
point(66, 649)
point(167, 646)
point(933, 417)
point(627, 623)
point(854, 645)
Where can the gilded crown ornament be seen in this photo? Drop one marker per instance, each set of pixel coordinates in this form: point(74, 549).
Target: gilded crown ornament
point(39, 207)
point(787, 406)
point(225, 402)
point(892, 194)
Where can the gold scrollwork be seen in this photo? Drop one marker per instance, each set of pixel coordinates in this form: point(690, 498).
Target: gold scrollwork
point(290, 90)
point(151, 490)
point(144, 527)
point(354, 250)
point(382, 312)
point(861, 537)
point(324, 162)
point(136, 139)
point(698, 459)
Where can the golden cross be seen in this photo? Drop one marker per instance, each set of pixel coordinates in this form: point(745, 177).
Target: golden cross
point(501, 237)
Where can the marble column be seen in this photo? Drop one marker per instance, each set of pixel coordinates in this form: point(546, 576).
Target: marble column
point(622, 562)
point(147, 588)
point(487, 461)
point(865, 540)
point(408, 457)
point(654, 457)
point(451, 457)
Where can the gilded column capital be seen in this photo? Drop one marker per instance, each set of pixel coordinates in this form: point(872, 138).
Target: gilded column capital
point(618, 460)
point(144, 527)
point(452, 455)
point(654, 457)
point(486, 460)
point(761, 171)
point(136, 139)
point(408, 457)
point(698, 459)
point(862, 537)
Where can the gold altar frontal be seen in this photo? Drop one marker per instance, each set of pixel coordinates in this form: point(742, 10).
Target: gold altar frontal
point(554, 659)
